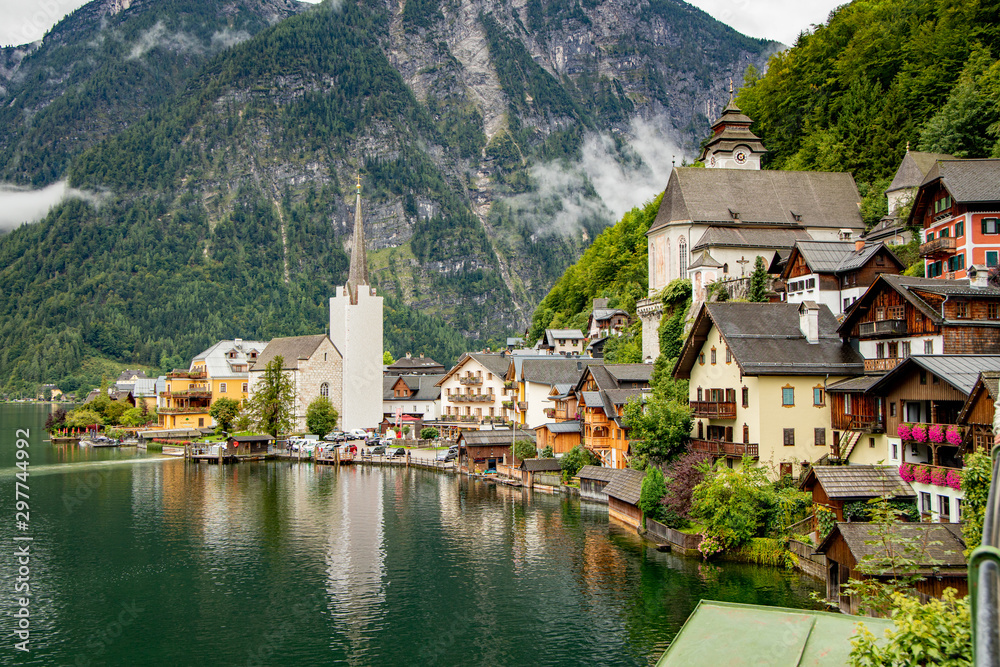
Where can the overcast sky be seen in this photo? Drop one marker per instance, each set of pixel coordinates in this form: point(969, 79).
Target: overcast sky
point(23, 21)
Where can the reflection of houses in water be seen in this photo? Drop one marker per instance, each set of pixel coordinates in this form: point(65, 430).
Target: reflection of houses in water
point(355, 553)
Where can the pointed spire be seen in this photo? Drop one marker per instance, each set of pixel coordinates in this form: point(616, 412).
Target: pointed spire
point(730, 90)
point(359, 261)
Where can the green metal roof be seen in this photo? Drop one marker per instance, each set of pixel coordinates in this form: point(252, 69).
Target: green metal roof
point(727, 633)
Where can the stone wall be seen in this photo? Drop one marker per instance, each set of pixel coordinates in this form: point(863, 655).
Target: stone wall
point(326, 366)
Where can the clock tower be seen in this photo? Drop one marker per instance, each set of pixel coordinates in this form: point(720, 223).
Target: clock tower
point(733, 145)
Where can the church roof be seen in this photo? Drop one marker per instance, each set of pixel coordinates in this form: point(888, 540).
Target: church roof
point(732, 129)
point(748, 197)
point(291, 350)
point(705, 260)
point(359, 261)
point(914, 168)
point(735, 237)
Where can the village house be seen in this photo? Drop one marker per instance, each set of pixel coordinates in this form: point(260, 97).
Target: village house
point(958, 209)
point(563, 341)
point(834, 487)
point(563, 430)
point(940, 562)
point(315, 367)
point(413, 398)
point(603, 391)
point(977, 415)
point(410, 365)
point(912, 171)
point(534, 379)
point(758, 374)
point(144, 392)
point(593, 480)
point(623, 493)
point(541, 474)
point(605, 321)
point(834, 273)
point(474, 394)
point(481, 451)
point(713, 223)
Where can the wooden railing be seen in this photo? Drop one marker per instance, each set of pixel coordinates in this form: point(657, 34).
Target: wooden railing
point(723, 447)
point(475, 379)
point(716, 409)
point(942, 246)
point(882, 327)
point(881, 364)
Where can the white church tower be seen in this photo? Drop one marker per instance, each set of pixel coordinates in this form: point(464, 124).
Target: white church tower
point(356, 330)
point(733, 145)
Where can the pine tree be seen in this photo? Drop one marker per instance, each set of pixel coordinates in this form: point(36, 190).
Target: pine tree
point(272, 401)
point(758, 282)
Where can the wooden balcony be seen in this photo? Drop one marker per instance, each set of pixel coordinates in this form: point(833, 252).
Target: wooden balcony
point(881, 365)
point(724, 448)
point(714, 409)
point(188, 375)
point(938, 248)
point(474, 379)
point(471, 398)
point(203, 410)
point(883, 328)
point(190, 393)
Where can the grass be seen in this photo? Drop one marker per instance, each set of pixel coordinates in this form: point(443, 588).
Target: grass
point(694, 529)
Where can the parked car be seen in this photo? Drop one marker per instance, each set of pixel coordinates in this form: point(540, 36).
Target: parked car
point(357, 434)
point(379, 450)
point(399, 452)
point(451, 455)
point(335, 436)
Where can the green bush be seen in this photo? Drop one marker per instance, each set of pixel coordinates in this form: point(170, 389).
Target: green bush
point(525, 449)
point(428, 433)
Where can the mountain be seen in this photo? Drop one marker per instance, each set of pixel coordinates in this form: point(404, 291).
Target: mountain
point(492, 138)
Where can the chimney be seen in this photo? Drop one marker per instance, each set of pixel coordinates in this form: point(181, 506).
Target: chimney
point(859, 245)
point(809, 321)
point(979, 276)
point(407, 355)
point(239, 342)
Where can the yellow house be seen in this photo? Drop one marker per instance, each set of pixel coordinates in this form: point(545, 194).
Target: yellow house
point(221, 371)
point(758, 374)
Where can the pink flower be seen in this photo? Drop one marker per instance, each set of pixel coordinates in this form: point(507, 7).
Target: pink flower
point(936, 433)
point(903, 431)
point(954, 480)
point(922, 474)
point(919, 432)
point(906, 472)
point(938, 476)
point(954, 435)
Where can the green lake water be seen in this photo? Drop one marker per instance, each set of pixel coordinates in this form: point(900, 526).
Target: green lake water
point(141, 560)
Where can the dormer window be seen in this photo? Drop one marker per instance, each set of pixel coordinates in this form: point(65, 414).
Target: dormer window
point(735, 215)
point(797, 217)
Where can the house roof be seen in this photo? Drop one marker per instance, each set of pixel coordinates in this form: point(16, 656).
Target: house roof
point(425, 385)
point(492, 438)
point(411, 364)
point(855, 385)
point(144, 387)
point(748, 237)
point(591, 399)
point(729, 633)
point(837, 257)
point(218, 365)
point(571, 426)
point(987, 383)
point(553, 370)
point(626, 486)
point(914, 168)
point(765, 339)
point(494, 363)
point(942, 543)
point(127, 375)
point(251, 438)
point(291, 350)
point(959, 370)
point(541, 465)
point(858, 481)
point(596, 472)
point(569, 334)
point(792, 198)
point(967, 181)
point(601, 314)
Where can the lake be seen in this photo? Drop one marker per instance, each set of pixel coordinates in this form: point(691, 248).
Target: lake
point(143, 560)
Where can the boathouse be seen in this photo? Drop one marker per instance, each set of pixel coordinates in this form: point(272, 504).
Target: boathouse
point(593, 479)
point(940, 562)
point(623, 497)
point(541, 473)
point(481, 451)
point(836, 486)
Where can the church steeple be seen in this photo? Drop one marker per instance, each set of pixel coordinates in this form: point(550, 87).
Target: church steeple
point(359, 261)
point(733, 145)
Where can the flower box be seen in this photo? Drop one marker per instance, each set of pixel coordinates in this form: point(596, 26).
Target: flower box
point(904, 432)
point(938, 476)
point(919, 433)
point(954, 480)
point(906, 472)
point(953, 436)
point(922, 474)
point(935, 433)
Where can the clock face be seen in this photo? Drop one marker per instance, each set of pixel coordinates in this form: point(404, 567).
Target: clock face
point(741, 157)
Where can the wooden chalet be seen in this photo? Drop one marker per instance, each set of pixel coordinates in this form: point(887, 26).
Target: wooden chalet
point(942, 564)
point(623, 497)
point(481, 451)
point(977, 415)
point(603, 392)
point(560, 436)
point(855, 414)
point(835, 486)
point(593, 480)
point(545, 473)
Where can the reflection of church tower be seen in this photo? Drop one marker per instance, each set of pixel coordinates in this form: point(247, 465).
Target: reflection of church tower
point(356, 330)
point(733, 145)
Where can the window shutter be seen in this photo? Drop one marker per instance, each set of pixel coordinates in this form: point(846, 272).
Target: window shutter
point(820, 437)
point(789, 437)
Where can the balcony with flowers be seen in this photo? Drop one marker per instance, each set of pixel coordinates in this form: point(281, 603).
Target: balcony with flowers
point(949, 478)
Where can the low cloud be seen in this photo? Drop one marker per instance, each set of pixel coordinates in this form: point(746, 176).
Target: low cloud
point(172, 41)
point(19, 205)
point(225, 38)
point(604, 184)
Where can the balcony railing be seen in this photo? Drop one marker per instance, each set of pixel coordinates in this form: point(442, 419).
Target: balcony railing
point(474, 379)
point(883, 328)
point(522, 406)
point(716, 409)
point(879, 365)
point(550, 413)
point(471, 398)
point(190, 393)
point(183, 411)
point(190, 375)
point(938, 247)
point(721, 447)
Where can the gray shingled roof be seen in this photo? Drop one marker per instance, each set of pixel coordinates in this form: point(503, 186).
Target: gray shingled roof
point(857, 385)
point(291, 350)
point(571, 426)
point(592, 399)
point(541, 465)
point(860, 481)
point(958, 370)
point(942, 543)
point(968, 181)
point(626, 486)
point(706, 260)
point(596, 472)
point(914, 168)
point(607, 313)
point(494, 363)
point(766, 340)
point(795, 198)
point(836, 256)
point(409, 364)
point(554, 370)
point(216, 363)
point(748, 237)
point(629, 373)
point(500, 437)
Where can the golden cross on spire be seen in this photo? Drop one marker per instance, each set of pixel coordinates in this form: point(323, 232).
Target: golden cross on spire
point(730, 89)
point(359, 183)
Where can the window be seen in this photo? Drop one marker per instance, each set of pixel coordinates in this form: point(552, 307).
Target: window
point(746, 434)
point(725, 267)
point(930, 236)
point(245, 387)
point(324, 356)
point(785, 469)
point(222, 387)
point(788, 396)
point(956, 263)
point(958, 510)
point(961, 309)
point(713, 356)
point(904, 348)
point(895, 452)
point(928, 347)
point(201, 421)
point(324, 389)
point(729, 355)
point(943, 234)
point(880, 350)
point(730, 395)
point(871, 443)
point(746, 397)
point(925, 502)
point(847, 303)
point(701, 358)
point(818, 396)
point(820, 437)
point(892, 409)
point(789, 437)
point(959, 228)
point(489, 376)
point(699, 393)
point(923, 377)
point(944, 507)
point(682, 252)
point(991, 258)
point(991, 226)
point(993, 311)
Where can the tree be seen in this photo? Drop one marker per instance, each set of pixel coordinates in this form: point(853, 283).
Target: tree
point(272, 401)
point(224, 412)
point(56, 419)
point(652, 491)
point(547, 453)
point(758, 282)
point(525, 449)
point(428, 433)
point(682, 476)
point(82, 418)
point(387, 359)
point(976, 479)
point(321, 417)
point(132, 417)
point(576, 458)
point(114, 411)
point(659, 426)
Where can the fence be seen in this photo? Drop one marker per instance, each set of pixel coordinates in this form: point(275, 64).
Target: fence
point(684, 543)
